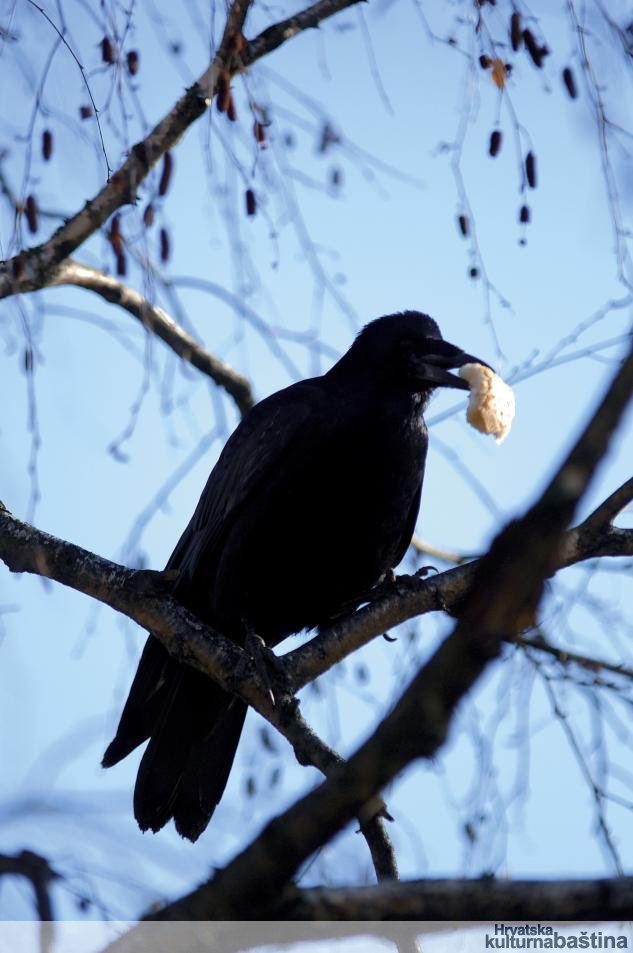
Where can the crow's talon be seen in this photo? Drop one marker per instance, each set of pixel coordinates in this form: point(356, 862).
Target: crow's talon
point(259, 653)
point(424, 571)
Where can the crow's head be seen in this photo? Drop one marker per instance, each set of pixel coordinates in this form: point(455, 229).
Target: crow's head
point(407, 349)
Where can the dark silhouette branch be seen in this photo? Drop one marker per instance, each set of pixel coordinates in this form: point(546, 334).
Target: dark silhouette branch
point(482, 899)
point(38, 871)
point(72, 272)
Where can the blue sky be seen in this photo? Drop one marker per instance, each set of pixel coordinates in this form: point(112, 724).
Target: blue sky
point(319, 260)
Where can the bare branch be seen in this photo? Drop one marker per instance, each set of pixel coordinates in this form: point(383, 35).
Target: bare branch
point(36, 869)
point(482, 899)
point(598, 533)
point(36, 267)
point(435, 552)
point(605, 514)
point(273, 37)
point(72, 272)
point(574, 658)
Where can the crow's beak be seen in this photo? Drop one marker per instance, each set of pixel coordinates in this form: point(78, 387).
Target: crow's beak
point(432, 369)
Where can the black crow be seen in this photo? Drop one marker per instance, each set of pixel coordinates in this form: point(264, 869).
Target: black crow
point(313, 499)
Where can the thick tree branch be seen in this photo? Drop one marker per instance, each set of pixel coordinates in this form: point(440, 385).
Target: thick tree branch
point(611, 508)
point(482, 899)
point(597, 533)
point(72, 272)
point(36, 267)
point(142, 597)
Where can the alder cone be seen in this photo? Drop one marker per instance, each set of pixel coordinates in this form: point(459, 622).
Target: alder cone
point(47, 144)
point(570, 82)
point(107, 52)
point(132, 62)
point(32, 212)
point(495, 143)
point(530, 169)
point(165, 176)
point(516, 31)
point(165, 248)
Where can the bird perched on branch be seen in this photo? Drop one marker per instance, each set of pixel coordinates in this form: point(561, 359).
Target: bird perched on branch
point(313, 499)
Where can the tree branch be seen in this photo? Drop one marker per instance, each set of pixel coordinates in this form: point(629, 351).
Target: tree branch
point(423, 548)
point(598, 533)
point(38, 871)
point(36, 267)
point(565, 657)
point(72, 272)
point(482, 899)
point(143, 597)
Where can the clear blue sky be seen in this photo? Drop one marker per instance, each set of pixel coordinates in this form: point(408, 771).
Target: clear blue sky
point(320, 260)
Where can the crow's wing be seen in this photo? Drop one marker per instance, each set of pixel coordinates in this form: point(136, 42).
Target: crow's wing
point(255, 453)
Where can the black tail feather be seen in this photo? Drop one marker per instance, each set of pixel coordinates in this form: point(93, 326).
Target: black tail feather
point(194, 729)
point(146, 701)
point(186, 764)
point(203, 782)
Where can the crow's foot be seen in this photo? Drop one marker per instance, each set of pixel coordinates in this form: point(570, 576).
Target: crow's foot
point(424, 571)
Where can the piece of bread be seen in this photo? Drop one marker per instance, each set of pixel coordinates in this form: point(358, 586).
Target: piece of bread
point(491, 405)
